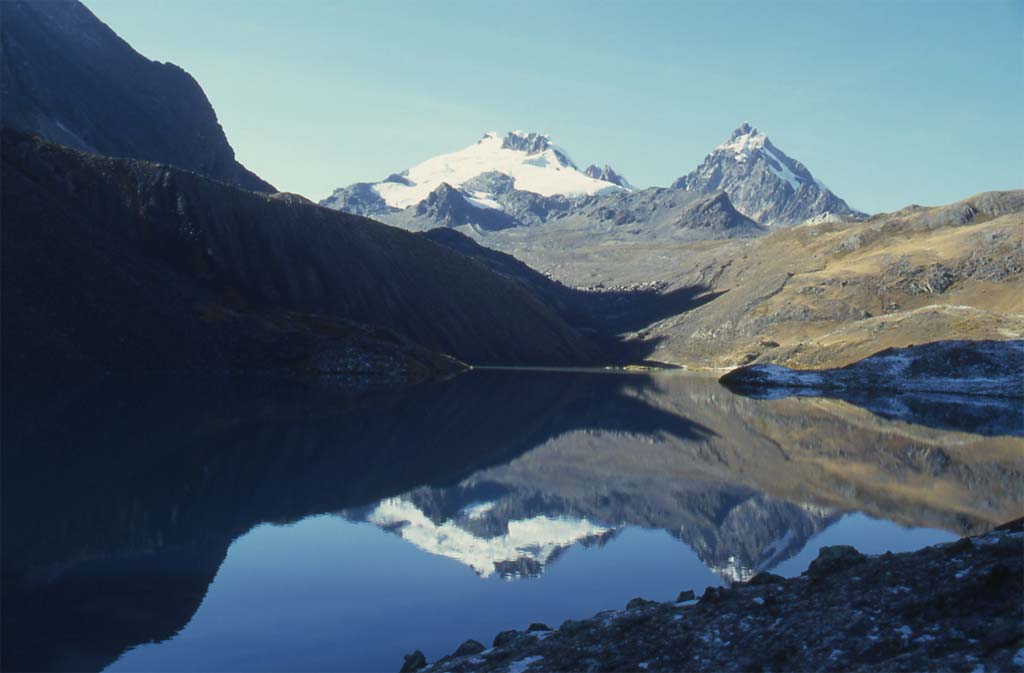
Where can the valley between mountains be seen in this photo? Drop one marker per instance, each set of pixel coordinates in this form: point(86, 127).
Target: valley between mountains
point(248, 430)
point(520, 257)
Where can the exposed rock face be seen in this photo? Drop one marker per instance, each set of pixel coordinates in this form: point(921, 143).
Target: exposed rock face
point(67, 77)
point(112, 264)
point(764, 183)
point(358, 199)
point(447, 207)
point(531, 143)
point(608, 174)
point(949, 607)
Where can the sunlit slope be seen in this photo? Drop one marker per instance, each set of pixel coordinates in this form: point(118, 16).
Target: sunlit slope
point(823, 295)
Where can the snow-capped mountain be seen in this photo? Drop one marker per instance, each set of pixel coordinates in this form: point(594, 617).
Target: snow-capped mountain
point(764, 183)
point(509, 173)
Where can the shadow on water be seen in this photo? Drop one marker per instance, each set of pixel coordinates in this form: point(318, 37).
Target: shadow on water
point(116, 486)
point(120, 499)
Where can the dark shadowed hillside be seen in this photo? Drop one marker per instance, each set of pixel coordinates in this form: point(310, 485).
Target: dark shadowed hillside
point(67, 77)
point(112, 264)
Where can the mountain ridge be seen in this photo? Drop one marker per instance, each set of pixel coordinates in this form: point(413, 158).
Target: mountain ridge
point(66, 76)
point(127, 265)
point(761, 182)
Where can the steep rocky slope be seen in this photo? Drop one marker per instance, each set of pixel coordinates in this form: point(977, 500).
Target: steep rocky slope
point(112, 264)
point(764, 183)
point(67, 77)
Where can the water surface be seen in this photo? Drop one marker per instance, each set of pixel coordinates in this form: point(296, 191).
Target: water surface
point(257, 525)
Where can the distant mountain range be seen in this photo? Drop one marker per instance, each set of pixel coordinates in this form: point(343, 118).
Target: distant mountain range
point(524, 179)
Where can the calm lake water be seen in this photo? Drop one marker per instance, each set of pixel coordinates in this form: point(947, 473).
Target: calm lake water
point(248, 525)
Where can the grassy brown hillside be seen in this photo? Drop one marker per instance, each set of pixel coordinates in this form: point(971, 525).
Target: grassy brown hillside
point(827, 294)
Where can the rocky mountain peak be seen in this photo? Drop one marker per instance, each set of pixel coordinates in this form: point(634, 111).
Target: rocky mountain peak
point(763, 182)
point(744, 129)
point(531, 143)
point(608, 174)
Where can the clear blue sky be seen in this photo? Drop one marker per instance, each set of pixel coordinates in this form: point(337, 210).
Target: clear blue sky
point(888, 103)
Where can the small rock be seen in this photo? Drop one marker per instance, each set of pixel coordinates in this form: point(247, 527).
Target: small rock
point(504, 638)
point(687, 595)
point(712, 594)
point(414, 662)
point(961, 545)
point(469, 647)
point(639, 603)
point(766, 578)
point(831, 559)
point(538, 626)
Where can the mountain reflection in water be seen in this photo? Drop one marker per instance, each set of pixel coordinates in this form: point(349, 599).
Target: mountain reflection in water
point(120, 502)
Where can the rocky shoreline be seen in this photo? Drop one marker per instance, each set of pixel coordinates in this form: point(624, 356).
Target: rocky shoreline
point(950, 607)
point(989, 368)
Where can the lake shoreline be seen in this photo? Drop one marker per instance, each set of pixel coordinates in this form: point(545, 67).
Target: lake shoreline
point(954, 606)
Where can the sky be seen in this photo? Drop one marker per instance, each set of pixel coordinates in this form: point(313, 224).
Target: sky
point(888, 103)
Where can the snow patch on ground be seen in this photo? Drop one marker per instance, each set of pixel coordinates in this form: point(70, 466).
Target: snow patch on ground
point(483, 200)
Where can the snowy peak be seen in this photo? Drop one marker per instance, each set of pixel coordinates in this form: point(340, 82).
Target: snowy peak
point(763, 182)
point(519, 164)
point(743, 143)
point(531, 143)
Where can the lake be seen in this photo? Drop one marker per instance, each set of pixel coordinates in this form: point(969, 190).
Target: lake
point(201, 524)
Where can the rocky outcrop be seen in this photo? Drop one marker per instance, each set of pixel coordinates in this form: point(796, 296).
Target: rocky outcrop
point(991, 368)
point(531, 143)
point(950, 607)
point(608, 174)
point(67, 77)
point(112, 264)
point(358, 199)
point(448, 207)
point(764, 183)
